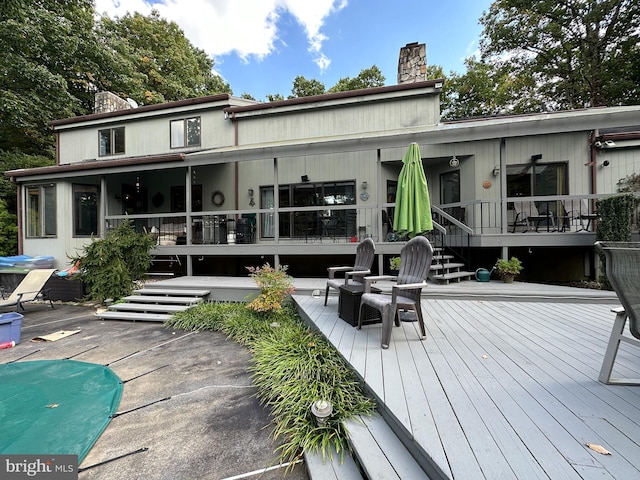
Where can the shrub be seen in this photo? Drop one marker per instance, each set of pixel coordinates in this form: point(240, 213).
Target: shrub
point(110, 267)
point(614, 224)
point(292, 367)
point(275, 284)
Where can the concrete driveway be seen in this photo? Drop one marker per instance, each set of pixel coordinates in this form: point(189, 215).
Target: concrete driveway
point(189, 405)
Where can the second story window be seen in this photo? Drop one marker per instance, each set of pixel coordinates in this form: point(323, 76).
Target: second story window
point(111, 141)
point(185, 132)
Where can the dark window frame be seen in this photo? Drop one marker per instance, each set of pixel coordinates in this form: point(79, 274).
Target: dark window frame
point(187, 137)
point(86, 210)
point(111, 141)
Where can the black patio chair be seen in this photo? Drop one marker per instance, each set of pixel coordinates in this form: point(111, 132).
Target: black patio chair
point(415, 262)
point(365, 253)
point(623, 271)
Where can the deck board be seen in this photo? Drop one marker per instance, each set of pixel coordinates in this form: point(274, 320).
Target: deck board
point(501, 389)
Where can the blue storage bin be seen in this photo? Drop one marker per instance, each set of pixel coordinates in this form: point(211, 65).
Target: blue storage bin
point(10, 326)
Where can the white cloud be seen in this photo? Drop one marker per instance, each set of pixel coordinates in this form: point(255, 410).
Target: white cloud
point(248, 28)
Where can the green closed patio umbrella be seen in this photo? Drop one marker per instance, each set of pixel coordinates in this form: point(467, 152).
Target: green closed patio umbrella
point(413, 207)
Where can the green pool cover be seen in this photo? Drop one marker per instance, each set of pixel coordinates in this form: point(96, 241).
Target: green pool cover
point(55, 406)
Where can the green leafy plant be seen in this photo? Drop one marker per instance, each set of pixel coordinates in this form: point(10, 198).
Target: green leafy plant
point(275, 284)
point(394, 263)
point(510, 267)
point(110, 267)
point(614, 224)
point(292, 367)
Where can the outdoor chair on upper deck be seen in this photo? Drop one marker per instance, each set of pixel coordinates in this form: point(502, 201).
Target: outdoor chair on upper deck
point(365, 253)
point(415, 262)
point(527, 216)
point(577, 211)
point(623, 271)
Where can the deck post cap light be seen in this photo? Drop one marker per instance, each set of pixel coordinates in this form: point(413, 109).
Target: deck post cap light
point(321, 409)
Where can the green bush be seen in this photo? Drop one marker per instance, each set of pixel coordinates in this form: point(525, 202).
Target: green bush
point(614, 224)
point(8, 231)
point(110, 267)
point(292, 367)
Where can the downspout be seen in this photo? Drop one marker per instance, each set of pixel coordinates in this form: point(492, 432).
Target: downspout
point(19, 215)
point(592, 161)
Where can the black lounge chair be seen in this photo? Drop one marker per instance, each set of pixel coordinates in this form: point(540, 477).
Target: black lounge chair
point(365, 253)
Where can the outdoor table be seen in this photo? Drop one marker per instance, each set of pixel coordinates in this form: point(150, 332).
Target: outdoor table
point(349, 305)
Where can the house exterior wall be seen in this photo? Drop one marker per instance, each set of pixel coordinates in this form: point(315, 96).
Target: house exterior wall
point(143, 136)
point(334, 120)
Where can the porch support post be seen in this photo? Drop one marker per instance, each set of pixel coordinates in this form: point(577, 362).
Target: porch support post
point(188, 222)
point(102, 213)
point(503, 190)
point(381, 188)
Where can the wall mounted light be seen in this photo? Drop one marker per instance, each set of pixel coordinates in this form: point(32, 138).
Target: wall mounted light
point(609, 143)
point(250, 192)
point(496, 171)
point(304, 178)
point(364, 185)
point(454, 162)
point(536, 157)
point(605, 163)
point(252, 202)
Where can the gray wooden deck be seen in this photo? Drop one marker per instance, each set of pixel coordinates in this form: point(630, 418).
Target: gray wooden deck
point(500, 389)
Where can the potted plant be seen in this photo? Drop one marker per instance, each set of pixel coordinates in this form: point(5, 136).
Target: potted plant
point(508, 269)
point(394, 265)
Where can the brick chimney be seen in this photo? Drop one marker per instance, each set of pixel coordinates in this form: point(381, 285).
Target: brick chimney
point(105, 102)
point(412, 63)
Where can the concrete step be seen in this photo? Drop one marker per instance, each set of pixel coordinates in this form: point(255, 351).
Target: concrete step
point(134, 316)
point(446, 266)
point(176, 292)
point(453, 276)
point(442, 258)
point(162, 299)
point(380, 452)
point(146, 307)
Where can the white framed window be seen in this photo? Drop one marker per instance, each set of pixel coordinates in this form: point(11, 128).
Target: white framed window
point(185, 132)
point(111, 141)
point(41, 211)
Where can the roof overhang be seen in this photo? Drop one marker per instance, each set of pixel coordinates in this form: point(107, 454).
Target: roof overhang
point(450, 132)
point(95, 167)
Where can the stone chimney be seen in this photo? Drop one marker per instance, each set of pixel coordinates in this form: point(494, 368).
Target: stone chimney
point(412, 64)
point(105, 102)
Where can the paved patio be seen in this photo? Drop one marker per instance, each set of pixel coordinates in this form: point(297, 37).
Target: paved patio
point(206, 424)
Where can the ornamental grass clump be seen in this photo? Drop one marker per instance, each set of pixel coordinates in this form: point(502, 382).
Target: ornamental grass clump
point(275, 284)
point(292, 367)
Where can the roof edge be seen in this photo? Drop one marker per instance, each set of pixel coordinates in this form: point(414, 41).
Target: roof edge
point(95, 164)
point(146, 108)
point(335, 96)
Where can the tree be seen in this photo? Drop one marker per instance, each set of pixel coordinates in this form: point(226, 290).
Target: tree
point(8, 231)
point(489, 89)
point(163, 64)
point(580, 52)
point(306, 88)
point(43, 69)
point(367, 78)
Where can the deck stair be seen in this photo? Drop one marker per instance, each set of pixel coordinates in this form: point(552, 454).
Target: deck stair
point(444, 270)
point(376, 453)
point(154, 304)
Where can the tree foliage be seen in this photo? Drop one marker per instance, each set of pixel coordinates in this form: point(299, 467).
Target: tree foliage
point(302, 87)
point(579, 52)
point(163, 65)
point(110, 267)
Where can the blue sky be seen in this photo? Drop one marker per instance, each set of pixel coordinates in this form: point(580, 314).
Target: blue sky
point(260, 46)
